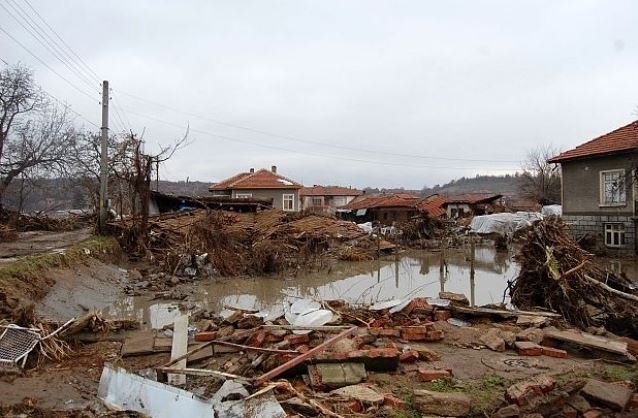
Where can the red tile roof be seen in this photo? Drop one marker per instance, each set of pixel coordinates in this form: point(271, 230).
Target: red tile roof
point(433, 206)
point(473, 198)
point(382, 201)
point(260, 179)
point(329, 191)
point(623, 139)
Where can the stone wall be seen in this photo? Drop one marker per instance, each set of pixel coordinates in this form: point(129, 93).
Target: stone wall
point(594, 226)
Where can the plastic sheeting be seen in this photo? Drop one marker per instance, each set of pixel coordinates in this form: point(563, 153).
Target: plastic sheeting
point(552, 210)
point(503, 223)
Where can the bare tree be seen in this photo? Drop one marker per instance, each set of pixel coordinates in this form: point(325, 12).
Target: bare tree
point(540, 179)
point(34, 134)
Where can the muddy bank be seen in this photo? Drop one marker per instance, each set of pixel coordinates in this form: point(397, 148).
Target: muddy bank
point(27, 280)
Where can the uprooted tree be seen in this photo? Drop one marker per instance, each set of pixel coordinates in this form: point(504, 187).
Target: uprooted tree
point(540, 180)
point(34, 134)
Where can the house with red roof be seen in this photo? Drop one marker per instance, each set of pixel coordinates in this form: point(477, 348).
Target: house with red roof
point(598, 193)
point(471, 204)
point(326, 199)
point(261, 184)
point(388, 208)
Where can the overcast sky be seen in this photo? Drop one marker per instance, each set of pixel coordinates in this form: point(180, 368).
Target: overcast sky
point(363, 93)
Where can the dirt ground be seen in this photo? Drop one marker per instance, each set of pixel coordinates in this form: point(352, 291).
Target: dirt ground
point(37, 242)
point(71, 385)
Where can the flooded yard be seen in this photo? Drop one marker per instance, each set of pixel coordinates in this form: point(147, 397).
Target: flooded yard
point(411, 274)
point(416, 273)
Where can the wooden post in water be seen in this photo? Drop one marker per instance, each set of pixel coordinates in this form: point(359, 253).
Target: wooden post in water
point(472, 272)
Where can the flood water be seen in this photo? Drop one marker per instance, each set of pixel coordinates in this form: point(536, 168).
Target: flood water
point(408, 275)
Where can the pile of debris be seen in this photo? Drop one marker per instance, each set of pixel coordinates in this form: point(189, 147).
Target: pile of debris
point(558, 275)
point(210, 243)
point(327, 349)
point(23, 222)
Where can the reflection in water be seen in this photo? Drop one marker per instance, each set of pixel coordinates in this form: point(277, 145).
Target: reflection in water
point(409, 275)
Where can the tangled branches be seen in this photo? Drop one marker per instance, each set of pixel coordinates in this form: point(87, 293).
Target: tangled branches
point(557, 274)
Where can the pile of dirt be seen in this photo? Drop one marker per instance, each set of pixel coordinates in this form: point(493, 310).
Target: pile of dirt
point(211, 243)
point(557, 274)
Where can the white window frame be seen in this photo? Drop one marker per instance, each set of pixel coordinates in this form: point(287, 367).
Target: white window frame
point(623, 192)
point(315, 199)
point(243, 195)
point(288, 196)
point(616, 233)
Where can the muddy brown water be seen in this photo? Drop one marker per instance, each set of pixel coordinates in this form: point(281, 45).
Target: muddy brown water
point(408, 275)
point(411, 274)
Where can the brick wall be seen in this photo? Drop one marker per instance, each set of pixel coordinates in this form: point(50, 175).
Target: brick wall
point(594, 226)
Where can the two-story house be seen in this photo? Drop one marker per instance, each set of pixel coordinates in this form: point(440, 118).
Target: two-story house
point(326, 199)
point(261, 184)
point(598, 189)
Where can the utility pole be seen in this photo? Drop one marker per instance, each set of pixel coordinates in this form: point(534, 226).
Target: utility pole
point(103, 157)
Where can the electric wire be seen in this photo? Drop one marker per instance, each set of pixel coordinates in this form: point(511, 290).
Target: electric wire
point(298, 139)
point(312, 154)
point(46, 65)
point(77, 63)
point(35, 32)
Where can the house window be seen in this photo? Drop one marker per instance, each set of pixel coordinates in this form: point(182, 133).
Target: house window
point(289, 202)
point(453, 213)
point(317, 201)
point(614, 235)
point(243, 195)
point(612, 187)
point(340, 201)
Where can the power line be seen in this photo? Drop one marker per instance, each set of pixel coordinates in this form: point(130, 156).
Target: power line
point(46, 65)
point(62, 40)
point(68, 107)
point(297, 139)
point(79, 65)
point(243, 141)
point(45, 42)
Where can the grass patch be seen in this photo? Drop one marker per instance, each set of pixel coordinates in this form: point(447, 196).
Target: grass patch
point(485, 392)
point(26, 276)
point(620, 373)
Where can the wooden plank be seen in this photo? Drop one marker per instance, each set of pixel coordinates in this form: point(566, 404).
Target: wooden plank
point(138, 343)
point(180, 347)
point(203, 372)
point(499, 312)
point(300, 359)
point(583, 339)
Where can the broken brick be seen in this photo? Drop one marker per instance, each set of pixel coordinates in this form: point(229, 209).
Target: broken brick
point(409, 356)
point(303, 348)
point(521, 392)
point(527, 348)
point(257, 340)
point(418, 333)
point(593, 413)
point(393, 402)
point(434, 336)
point(295, 339)
point(206, 336)
point(441, 315)
point(554, 352)
point(428, 375)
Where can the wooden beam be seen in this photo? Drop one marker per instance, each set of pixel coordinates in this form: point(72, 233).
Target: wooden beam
point(300, 359)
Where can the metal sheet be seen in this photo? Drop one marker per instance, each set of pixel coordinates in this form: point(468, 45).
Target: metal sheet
point(122, 390)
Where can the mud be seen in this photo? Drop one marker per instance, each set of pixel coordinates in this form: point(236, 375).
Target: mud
point(37, 242)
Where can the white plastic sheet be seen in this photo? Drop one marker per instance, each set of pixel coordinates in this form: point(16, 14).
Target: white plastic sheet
point(503, 223)
point(549, 210)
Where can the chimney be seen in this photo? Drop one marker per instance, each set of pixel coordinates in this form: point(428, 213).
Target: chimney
point(252, 170)
point(274, 169)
